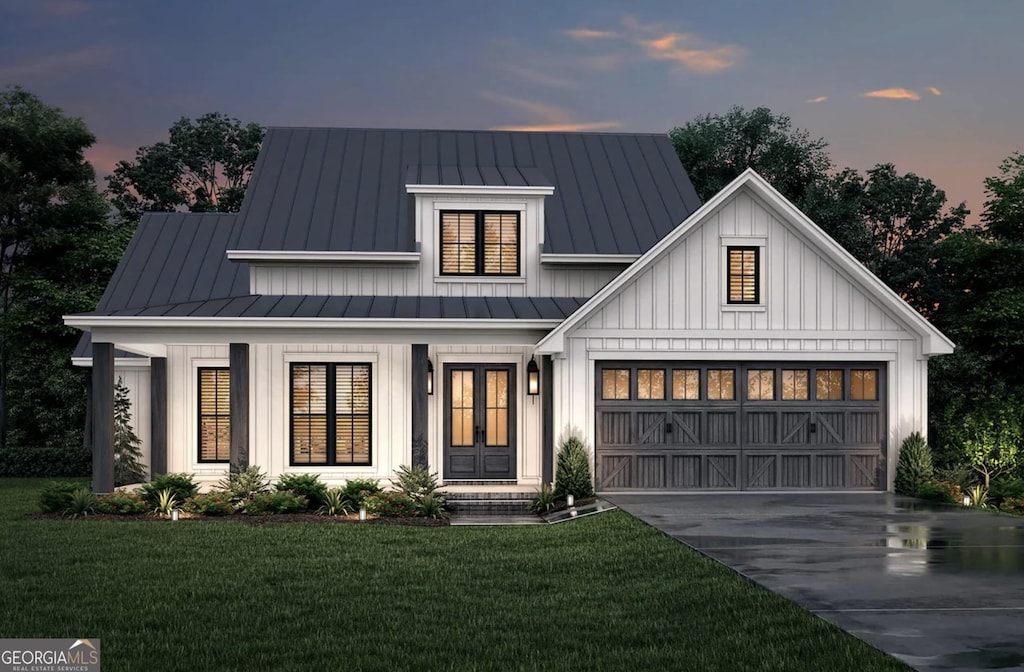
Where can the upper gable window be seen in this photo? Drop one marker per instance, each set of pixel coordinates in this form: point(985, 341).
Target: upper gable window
point(480, 243)
point(743, 274)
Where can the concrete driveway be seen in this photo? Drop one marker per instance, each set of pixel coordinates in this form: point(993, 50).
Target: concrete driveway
point(941, 588)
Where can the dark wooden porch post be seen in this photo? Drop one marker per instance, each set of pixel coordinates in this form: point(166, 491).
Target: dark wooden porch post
point(158, 416)
point(102, 417)
point(419, 405)
point(547, 410)
point(239, 406)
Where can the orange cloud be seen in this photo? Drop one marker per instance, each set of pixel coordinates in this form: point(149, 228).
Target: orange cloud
point(568, 127)
point(935, 92)
point(819, 99)
point(684, 49)
point(588, 34)
point(893, 94)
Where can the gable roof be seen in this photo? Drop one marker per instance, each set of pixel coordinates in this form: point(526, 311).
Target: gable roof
point(345, 189)
point(934, 341)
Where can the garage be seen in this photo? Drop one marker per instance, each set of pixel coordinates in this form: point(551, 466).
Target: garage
point(677, 425)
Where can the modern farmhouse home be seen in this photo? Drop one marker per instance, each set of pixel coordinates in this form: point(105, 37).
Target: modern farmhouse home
point(464, 300)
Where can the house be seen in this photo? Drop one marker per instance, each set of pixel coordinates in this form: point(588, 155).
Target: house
point(464, 300)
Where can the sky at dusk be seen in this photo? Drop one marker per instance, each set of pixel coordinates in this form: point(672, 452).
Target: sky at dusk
point(934, 86)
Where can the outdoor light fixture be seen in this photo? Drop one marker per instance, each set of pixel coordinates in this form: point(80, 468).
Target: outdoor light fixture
point(532, 378)
point(362, 514)
point(570, 500)
point(430, 377)
point(174, 515)
point(967, 500)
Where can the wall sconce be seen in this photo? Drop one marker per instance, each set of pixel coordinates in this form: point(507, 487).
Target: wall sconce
point(532, 378)
point(430, 377)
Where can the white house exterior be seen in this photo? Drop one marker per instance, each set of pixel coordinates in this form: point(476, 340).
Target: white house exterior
point(545, 284)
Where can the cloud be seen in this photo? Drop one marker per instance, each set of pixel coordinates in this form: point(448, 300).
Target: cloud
point(935, 92)
point(64, 63)
point(819, 99)
point(589, 34)
point(893, 94)
point(537, 77)
point(688, 51)
point(64, 8)
point(543, 111)
point(568, 127)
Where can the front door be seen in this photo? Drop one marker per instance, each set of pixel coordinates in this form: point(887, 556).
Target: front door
point(479, 421)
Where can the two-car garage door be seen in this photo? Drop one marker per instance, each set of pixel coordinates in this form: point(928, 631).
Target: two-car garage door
point(740, 426)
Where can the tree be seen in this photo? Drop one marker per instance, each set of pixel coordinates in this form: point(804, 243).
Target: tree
point(992, 436)
point(715, 149)
point(59, 246)
point(128, 466)
point(1004, 210)
point(204, 167)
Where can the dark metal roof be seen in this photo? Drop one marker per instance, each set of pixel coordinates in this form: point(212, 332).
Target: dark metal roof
point(344, 189)
point(367, 307)
point(84, 349)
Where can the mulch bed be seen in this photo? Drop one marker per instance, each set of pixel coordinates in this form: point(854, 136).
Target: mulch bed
point(251, 520)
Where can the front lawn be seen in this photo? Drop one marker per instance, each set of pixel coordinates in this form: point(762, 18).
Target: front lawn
point(604, 593)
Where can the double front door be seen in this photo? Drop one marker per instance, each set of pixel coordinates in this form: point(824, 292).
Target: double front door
point(479, 421)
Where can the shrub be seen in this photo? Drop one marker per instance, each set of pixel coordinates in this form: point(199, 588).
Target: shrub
point(127, 445)
point(572, 470)
point(1006, 488)
point(122, 503)
point(392, 504)
point(181, 486)
point(56, 496)
point(544, 500)
point(421, 487)
point(45, 462)
point(978, 494)
point(241, 486)
point(166, 501)
point(960, 474)
point(358, 489)
point(209, 504)
point(307, 485)
point(1014, 505)
point(82, 503)
point(940, 491)
point(915, 464)
point(282, 501)
point(432, 506)
point(335, 503)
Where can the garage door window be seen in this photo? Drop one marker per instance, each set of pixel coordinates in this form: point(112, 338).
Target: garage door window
point(760, 384)
point(686, 384)
point(615, 384)
point(795, 386)
point(650, 384)
point(721, 384)
point(863, 385)
point(829, 384)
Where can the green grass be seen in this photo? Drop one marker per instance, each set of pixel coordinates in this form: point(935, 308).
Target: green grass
point(604, 593)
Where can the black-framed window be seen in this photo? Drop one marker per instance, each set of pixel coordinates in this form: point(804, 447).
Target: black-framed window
point(743, 274)
point(331, 421)
point(214, 392)
point(480, 243)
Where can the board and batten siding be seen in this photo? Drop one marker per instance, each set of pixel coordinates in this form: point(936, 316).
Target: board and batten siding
point(136, 378)
point(423, 279)
point(391, 414)
point(676, 310)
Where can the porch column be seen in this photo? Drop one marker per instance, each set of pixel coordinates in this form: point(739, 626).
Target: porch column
point(157, 416)
point(419, 405)
point(547, 410)
point(102, 417)
point(239, 406)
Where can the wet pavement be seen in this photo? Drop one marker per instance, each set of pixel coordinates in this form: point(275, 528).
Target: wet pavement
point(939, 587)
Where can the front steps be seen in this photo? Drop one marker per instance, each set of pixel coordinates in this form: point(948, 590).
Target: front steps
point(488, 503)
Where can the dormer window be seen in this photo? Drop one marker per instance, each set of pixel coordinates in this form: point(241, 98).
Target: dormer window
point(480, 243)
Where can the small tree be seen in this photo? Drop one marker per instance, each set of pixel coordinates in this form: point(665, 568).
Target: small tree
point(128, 467)
point(572, 470)
point(991, 436)
point(915, 464)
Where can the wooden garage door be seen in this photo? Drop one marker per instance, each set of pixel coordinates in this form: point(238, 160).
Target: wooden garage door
point(740, 426)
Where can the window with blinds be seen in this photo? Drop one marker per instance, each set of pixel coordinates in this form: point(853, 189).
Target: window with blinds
point(479, 243)
point(214, 415)
point(742, 275)
point(330, 414)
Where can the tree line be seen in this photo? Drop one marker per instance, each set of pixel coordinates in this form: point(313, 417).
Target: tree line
point(61, 238)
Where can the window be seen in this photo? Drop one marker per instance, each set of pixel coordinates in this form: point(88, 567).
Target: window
point(742, 273)
point(761, 384)
point(829, 384)
point(214, 415)
point(863, 385)
point(686, 384)
point(795, 385)
point(721, 384)
point(650, 383)
point(480, 243)
point(615, 384)
point(330, 414)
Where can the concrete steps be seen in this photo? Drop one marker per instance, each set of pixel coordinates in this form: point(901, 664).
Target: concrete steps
point(494, 503)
